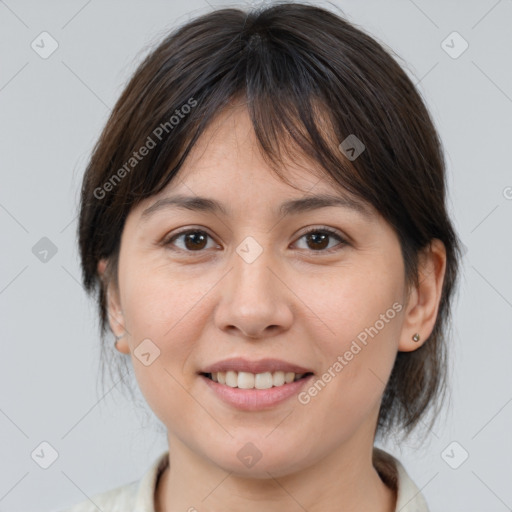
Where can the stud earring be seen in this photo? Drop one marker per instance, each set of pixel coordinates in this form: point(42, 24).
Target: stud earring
point(416, 337)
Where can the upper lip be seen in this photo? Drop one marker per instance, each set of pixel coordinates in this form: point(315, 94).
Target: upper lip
point(239, 364)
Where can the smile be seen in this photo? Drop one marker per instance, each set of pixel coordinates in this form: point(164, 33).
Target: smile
point(254, 385)
point(248, 380)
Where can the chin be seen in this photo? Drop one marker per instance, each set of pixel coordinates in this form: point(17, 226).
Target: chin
point(258, 459)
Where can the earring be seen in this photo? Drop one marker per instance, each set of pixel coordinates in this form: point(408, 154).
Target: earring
point(416, 337)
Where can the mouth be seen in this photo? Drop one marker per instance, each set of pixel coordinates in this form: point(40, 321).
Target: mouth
point(248, 380)
point(254, 385)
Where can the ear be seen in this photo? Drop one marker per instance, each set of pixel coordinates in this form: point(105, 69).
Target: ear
point(423, 303)
point(114, 311)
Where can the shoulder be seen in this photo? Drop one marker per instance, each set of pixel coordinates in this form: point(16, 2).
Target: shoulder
point(137, 495)
point(119, 499)
point(394, 475)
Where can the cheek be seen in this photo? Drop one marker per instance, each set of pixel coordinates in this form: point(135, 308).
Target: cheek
point(362, 304)
point(162, 304)
point(364, 318)
point(168, 311)
point(168, 316)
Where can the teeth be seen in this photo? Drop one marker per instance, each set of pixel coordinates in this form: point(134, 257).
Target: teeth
point(231, 379)
point(263, 380)
point(247, 380)
point(278, 378)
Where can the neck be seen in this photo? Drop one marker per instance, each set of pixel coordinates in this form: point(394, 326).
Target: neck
point(347, 483)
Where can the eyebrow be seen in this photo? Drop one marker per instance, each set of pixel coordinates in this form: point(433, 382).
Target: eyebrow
point(290, 207)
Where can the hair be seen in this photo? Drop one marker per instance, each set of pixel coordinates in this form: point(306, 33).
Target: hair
point(309, 79)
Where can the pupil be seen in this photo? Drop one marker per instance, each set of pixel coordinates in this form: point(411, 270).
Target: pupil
point(323, 237)
point(196, 238)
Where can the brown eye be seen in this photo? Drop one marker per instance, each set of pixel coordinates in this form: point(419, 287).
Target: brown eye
point(318, 239)
point(194, 240)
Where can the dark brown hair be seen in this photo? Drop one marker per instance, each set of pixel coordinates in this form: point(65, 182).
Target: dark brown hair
point(299, 69)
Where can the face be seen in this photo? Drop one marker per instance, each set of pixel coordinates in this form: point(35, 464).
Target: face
point(245, 289)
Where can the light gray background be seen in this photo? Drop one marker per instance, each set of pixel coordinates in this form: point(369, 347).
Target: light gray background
point(52, 111)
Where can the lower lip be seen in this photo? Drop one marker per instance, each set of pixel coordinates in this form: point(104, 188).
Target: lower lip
point(256, 399)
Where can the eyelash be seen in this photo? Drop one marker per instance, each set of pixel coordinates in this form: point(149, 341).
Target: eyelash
point(325, 230)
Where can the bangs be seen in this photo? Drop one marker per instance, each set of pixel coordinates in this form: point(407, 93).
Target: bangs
point(295, 113)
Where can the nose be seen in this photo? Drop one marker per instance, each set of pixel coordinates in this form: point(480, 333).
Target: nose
point(255, 301)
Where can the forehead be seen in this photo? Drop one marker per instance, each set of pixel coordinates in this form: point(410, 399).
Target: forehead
point(228, 154)
point(226, 172)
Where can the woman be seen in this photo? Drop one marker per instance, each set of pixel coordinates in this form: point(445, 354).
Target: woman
point(263, 220)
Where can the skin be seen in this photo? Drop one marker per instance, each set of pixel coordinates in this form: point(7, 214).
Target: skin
point(294, 302)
